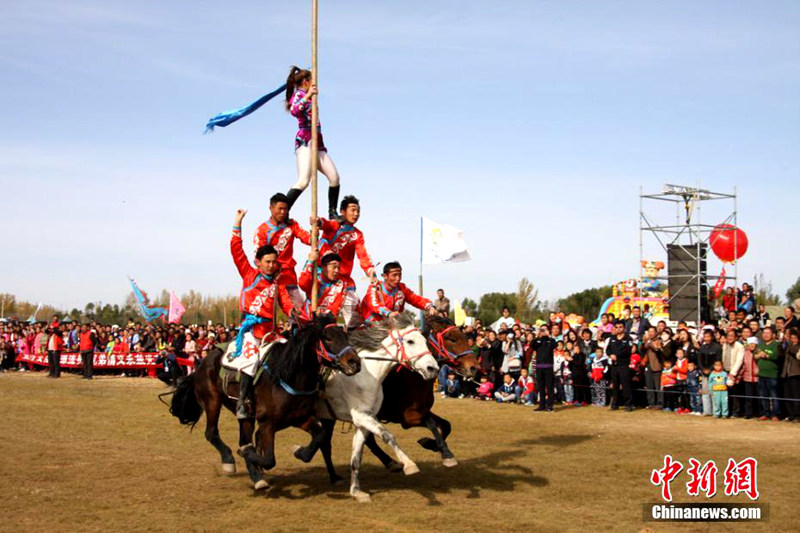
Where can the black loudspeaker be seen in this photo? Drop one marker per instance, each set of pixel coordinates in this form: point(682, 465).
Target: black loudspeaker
point(686, 265)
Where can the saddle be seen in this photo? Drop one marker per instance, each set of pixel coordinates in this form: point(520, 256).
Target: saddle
point(230, 379)
point(230, 369)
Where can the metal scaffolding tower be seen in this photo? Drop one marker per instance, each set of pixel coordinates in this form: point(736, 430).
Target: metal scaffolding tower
point(688, 234)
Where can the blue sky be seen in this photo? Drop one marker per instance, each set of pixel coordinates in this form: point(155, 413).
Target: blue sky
point(530, 125)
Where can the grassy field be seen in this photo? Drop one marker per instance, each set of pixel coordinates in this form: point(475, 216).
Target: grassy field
point(106, 455)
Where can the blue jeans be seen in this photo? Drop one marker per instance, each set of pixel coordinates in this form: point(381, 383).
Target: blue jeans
point(769, 391)
point(695, 400)
point(443, 377)
point(525, 398)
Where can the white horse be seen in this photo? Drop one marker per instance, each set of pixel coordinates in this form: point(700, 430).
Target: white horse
point(358, 398)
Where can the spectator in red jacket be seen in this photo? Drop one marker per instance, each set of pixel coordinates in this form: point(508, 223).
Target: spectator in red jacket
point(55, 343)
point(87, 344)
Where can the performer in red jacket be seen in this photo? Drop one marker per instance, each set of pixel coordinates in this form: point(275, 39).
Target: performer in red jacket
point(330, 287)
point(280, 231)
point(259, 290)
point(347, 241)
point(389, 297)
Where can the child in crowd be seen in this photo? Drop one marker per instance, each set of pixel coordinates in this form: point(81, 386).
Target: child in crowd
point(485, 388)
point(693, 388)
point(637, 377)
point(681, 371)
point(668, 382)
point(525, 388)
point(569, 391)
point(717, 384)
point(506, 393)
point(599, 367)
point(452, 388)
point(559, 364)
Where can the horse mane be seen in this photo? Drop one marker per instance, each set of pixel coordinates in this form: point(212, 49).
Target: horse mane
point(436, 320)
point(290, 359)
point(371, 338)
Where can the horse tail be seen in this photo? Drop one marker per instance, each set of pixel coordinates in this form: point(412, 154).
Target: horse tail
point(185, 406)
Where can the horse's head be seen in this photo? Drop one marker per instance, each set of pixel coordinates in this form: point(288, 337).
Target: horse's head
point(449, 344)
point(406, 344)
point(334, 349)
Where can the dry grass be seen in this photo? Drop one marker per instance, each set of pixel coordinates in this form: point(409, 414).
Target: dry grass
point(78, 455)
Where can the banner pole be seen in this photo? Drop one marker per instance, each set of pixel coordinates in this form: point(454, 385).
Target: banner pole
point(314, 151)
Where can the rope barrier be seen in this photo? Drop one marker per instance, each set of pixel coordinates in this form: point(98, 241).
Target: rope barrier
point(699, 392)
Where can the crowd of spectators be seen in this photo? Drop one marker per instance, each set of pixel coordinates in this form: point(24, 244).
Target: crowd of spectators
point(170, 341)
point(743, 364)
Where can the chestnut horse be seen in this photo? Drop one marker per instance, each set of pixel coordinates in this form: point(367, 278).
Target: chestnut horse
point(285, 395)
point(408, 397)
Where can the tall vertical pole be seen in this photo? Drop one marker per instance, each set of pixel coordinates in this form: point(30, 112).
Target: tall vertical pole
point(421, 292)
point(420, 256)
point(314, 149)
point(735, 240)
point(641, 245)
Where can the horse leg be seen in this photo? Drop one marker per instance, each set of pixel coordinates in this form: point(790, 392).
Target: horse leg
point(448, 459)
point(262, 454)
point(371, 424)
point(313, 426)
point(355, 465)
point(444, 427)
point(246, 428)
point(390, 464)
point(325, 448)
point(212, 407)
point(265, 444)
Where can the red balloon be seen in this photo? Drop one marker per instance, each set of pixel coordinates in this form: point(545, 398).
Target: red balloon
point(728, 242)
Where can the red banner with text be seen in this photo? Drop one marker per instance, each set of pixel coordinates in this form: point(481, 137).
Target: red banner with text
point(134, 360)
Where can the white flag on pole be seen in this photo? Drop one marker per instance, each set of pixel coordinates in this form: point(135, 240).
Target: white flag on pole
point(442, 243)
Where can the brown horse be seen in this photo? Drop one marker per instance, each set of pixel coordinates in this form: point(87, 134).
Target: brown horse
point(285, 395)
point(408, 398)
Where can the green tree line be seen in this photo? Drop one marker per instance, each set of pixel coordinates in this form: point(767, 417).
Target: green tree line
point(524, 304)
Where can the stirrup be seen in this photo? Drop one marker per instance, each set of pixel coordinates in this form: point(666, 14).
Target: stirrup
point(242, 410)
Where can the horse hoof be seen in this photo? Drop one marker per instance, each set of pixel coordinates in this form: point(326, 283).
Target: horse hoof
point(394, 467)
point(261, 484)
point(362, 497)
point(229, 468)
point(411, 469)
point(338, 482)
point(450, 462)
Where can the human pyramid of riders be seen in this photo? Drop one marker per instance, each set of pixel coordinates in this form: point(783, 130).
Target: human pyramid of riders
point(273, 282)
point(319, 372)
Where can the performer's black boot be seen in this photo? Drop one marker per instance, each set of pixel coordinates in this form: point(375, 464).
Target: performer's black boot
point(245, 384)
point(333, 200)
point(293, 195)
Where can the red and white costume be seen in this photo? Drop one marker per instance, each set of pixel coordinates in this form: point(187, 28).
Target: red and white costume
point(347, 241)
point(330, 294)
point(380, 301)
point(256, 301)
point(281, 237)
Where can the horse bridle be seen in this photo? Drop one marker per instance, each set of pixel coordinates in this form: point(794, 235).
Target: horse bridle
point(323, 354)
point(401, 356)
point(439, 344)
